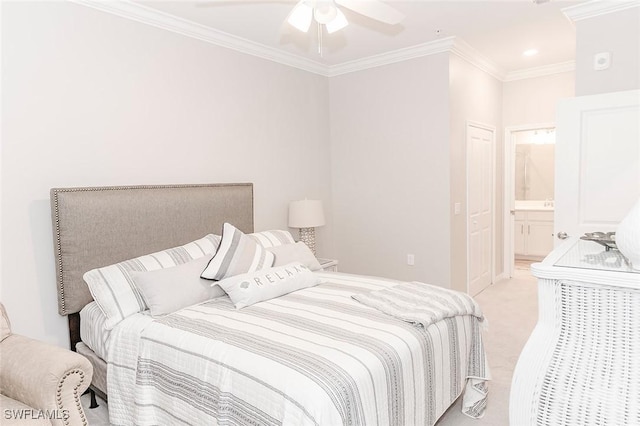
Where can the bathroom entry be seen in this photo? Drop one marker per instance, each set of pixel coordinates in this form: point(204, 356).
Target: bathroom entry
point(531, 193)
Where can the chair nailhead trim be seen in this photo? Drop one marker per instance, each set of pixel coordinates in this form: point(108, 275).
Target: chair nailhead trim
point(76, 395)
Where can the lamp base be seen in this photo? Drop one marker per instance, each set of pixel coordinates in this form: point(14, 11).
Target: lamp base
point(308, 236)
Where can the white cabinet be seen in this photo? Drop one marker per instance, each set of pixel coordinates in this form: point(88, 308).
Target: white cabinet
point(519, 236)
point(533, 234)
point(581, 364)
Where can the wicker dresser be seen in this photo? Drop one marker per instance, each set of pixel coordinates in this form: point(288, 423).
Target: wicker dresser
point(581, 365)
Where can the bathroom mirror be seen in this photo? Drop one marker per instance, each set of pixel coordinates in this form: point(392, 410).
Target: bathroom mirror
point(534, 164)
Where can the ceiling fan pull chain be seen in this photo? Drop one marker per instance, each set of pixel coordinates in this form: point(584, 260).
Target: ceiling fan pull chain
point(320, 39)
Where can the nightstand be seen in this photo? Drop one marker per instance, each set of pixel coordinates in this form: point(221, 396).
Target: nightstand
point(330, 265)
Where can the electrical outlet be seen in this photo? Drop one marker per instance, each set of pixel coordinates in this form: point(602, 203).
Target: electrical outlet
point(601, 61)
point(411, 259)
point(457, 208)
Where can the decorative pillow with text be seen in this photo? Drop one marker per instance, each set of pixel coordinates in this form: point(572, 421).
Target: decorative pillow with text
point(247, 289)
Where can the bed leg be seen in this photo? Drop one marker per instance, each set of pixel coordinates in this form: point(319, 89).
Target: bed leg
point(94, 403)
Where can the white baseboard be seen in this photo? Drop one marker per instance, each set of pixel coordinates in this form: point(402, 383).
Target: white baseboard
point(500, 277)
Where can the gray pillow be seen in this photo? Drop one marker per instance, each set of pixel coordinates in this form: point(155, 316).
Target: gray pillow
point(171, 289)
point(297, 252)
point(111, 286)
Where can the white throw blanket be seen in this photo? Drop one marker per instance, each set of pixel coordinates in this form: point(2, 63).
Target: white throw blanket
point(424, 305)
point(419, 303)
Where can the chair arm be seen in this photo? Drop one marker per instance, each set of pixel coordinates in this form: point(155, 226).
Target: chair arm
point(45, 377)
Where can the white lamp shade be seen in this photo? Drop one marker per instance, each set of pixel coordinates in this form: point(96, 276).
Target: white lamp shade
point(301, 17)
point(325, 11)
point(338, 23)
point(306, 214)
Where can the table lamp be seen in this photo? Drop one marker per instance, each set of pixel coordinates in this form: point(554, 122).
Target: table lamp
point(306, 215)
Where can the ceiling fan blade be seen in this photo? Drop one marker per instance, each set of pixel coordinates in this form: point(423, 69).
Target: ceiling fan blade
point(374, 9)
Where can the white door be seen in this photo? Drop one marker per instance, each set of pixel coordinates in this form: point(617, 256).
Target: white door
point(480, 153)
point(597, 162)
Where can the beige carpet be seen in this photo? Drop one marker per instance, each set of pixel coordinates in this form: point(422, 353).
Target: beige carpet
point(511, 309)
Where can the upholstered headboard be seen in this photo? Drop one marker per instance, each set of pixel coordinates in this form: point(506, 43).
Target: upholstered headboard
point(100, 226)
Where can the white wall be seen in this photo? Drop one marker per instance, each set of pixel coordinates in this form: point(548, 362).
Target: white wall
point(474, 96)
point(390, 169)
point(93, 99)
point(533, 100)
point(617, 33)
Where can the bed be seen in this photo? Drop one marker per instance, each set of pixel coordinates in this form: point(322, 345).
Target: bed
point(315, 356)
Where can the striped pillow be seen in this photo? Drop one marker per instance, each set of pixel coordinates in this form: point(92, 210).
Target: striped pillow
point(237, 254)
point(114, 290)
point(273, 238)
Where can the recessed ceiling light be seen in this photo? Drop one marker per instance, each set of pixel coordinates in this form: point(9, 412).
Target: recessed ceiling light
point(530, 52)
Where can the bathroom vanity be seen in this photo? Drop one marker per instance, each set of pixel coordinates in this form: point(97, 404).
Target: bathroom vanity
point(533, 229)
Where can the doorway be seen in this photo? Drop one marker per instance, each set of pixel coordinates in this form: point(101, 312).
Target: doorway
point(529, 193)
point(480, 206)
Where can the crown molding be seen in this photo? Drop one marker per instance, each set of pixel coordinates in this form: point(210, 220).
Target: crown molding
point(453, 45)
point(595, 8)
point(471, 55)
point(417, 51)
point(156, 18)
point(540, 71)
point(146, 15)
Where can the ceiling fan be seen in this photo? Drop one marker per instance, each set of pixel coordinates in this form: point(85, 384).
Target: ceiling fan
point(328, 13)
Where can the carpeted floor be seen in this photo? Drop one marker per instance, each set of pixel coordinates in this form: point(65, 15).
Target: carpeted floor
point(510, 306)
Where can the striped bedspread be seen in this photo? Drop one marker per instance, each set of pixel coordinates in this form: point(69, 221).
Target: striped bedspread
point(313, 357)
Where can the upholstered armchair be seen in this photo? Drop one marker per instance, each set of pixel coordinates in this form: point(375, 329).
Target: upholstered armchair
point(40, 384)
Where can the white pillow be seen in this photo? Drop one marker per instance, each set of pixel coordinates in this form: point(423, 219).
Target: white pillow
point(298, 252)
point(273, 238)
point(247, 289)
point(112, 286)
point(237, 254)
point(171, 289)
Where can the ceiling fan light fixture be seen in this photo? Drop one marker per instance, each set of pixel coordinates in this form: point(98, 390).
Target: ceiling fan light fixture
point(325, 12)
point(301, 17)
point(338, 23)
